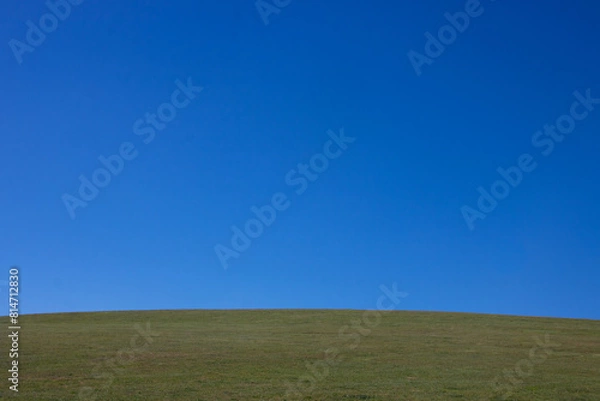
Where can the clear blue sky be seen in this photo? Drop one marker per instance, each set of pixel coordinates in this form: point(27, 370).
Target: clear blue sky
point(387, 210)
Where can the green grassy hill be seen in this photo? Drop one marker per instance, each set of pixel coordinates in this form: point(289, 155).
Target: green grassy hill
point(306, 354)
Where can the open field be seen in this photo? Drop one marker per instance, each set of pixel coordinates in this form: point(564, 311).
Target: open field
point(251, 355)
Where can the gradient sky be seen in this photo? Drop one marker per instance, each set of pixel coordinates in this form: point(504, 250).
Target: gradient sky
point(388, 210)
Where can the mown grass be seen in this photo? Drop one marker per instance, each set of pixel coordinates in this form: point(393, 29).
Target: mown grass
point(251, 355)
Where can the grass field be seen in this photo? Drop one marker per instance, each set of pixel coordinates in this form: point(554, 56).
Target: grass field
point(308, 354)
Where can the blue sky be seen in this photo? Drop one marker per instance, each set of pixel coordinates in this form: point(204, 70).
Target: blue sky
point(388, 209)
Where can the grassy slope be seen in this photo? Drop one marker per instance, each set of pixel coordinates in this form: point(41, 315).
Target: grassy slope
point(249, 355)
